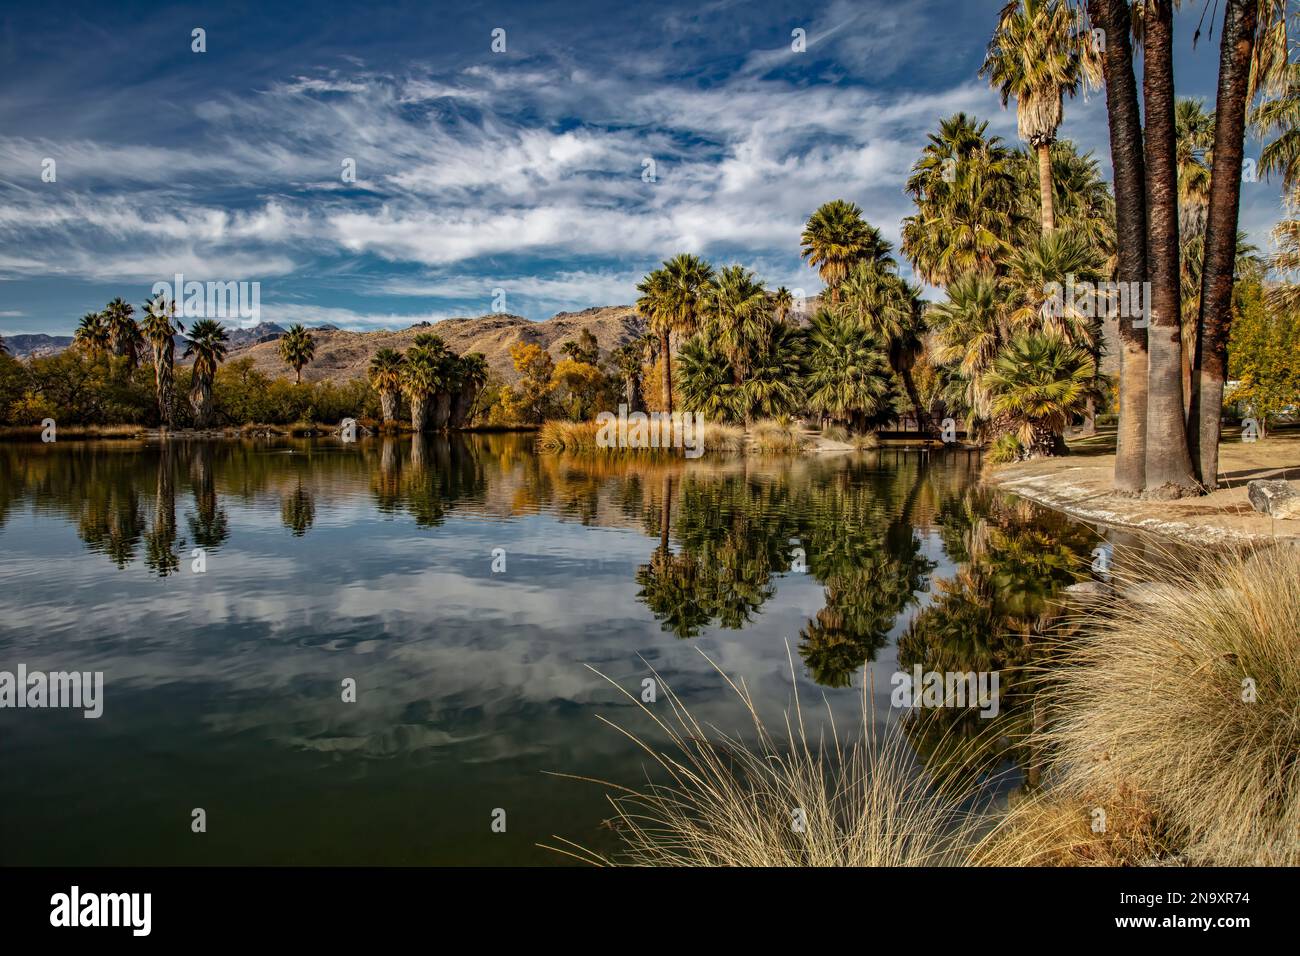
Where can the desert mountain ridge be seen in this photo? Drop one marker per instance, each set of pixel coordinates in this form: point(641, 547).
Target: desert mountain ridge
point(343, 354)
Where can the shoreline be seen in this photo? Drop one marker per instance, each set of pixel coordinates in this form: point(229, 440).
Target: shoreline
point(1079, 485)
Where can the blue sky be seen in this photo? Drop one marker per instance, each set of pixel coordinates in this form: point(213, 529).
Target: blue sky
point(475, 170)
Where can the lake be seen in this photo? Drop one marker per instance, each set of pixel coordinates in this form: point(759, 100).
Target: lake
point(472, 592)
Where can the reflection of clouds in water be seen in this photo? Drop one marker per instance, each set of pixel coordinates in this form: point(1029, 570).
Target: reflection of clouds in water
point(452, 662)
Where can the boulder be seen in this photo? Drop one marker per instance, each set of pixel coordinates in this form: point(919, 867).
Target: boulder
point(1272, 497)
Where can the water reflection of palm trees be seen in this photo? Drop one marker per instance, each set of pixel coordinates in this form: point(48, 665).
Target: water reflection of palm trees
point(161, 544)
point(736, 533)
point(209, 525)
point(298, 510)
point(995, 614)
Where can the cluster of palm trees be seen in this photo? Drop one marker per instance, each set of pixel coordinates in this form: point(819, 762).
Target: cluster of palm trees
point(115, 331)
point(741, 357)
point(441, 387)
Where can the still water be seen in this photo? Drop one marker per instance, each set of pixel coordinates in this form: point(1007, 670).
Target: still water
point(472, 590)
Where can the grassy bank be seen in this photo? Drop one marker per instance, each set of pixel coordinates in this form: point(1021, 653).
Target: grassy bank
point(1172, 739)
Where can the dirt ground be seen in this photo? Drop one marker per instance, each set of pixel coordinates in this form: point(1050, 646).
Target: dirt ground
point(1080, 484)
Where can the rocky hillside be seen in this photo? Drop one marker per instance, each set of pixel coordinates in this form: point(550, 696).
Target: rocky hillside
point(34, 346)
point(341, 355)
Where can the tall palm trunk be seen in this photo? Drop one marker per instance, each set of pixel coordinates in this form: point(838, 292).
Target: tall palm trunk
point(665, 350)
point(441, 410)
point(1219, 261)
point(1129, 170)
point(201, 399)
point(388, 404)
point(419, 412)
point(1045, 186)
point(164, 375)
point(462, 405)
point(1169, 465)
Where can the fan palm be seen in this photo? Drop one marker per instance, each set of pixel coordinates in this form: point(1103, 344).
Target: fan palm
point(386, 379)
point(773, 384)
point(970, 327)
point(473, 374)
point(1192, 151)
point(124, 334)
point(782, 303)
point(1280, 114)
point(1037, 55)
point(848, 379)
point(736, 314)
point(708, 386)
point(160, 333)
point(422, 375)
point(206, 343)
point(92, 334)
point(672, 300)
point(297, 348)
point(1036, 384)
point(890, 309)
point(835, 237)
point(965, 193)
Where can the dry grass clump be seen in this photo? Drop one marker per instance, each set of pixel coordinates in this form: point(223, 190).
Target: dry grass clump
point(1056, 828)
point(25, 432)
point(837, 433)
point(865, 441)
point(723, 438)
point(569, 436)
point(771, 437)
point(728, 801)
point(1187, 695)
point(556, 435)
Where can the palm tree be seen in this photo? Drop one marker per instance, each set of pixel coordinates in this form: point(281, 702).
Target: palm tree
point(124, 334)
point(652, 304)
point(773, 383)
point(1280, 114)
point(672, 300)
point(473, 374)
point(1194, 139)
point(848, 378)
point(297, 348)
point(449, 383)
point(889, 308)
point(92, 334)
point(1037, 384)
point(1169, 470)
point(1038, 55)
point(160, 333)
point(1252, 55)
point(422, 375)
point(1124, 118)
point(970, 328)
point(782, 303)
point(629, 358)
point(965, 193)
point(1055, 260)
point(386, 379)
point(835, 237)
point(708, 387)
point(206, 342)
point(736, 314)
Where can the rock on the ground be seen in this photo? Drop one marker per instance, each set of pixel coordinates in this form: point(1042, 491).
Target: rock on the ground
point(1273, 497)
